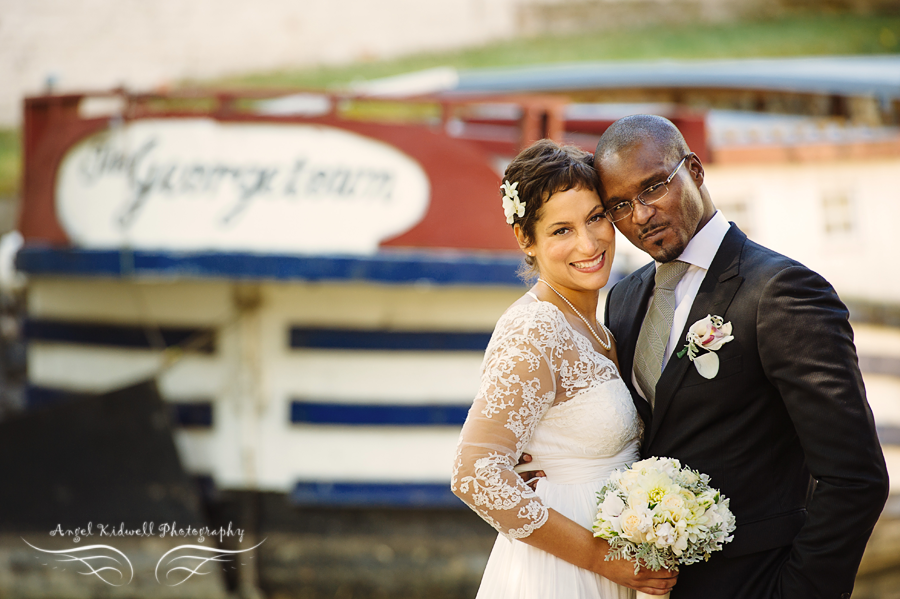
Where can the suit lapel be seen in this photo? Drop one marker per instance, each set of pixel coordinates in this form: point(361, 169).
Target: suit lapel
point(721, 282)
point(631, 314)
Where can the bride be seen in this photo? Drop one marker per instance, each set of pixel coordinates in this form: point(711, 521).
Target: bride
point(550, 387)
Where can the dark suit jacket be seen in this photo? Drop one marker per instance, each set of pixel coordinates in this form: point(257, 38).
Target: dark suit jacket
point(784, 429)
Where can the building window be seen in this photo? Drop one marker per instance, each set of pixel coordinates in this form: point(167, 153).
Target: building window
point(837, 212)
point(738, 211)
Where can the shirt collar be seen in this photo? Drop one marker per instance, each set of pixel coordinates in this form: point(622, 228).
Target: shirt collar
point(702, 248)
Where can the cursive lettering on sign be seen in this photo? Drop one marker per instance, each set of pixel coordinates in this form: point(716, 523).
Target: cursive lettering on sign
point(194, 184)
point(151, 178)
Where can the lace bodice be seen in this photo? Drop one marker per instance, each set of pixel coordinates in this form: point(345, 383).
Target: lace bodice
point(544, 389)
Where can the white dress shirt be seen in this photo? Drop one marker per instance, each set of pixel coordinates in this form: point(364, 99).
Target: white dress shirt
point(699, 253)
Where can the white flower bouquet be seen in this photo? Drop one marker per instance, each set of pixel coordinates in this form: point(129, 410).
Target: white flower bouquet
point(660, 514)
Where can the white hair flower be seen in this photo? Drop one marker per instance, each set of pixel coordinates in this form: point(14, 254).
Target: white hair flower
point(512, 205)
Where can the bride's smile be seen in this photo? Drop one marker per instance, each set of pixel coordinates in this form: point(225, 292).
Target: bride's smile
point(592, 265)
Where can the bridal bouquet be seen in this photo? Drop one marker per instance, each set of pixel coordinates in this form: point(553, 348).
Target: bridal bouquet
point(660, 514)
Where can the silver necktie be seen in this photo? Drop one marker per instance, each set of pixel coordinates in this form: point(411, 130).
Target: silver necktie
point(657, 325)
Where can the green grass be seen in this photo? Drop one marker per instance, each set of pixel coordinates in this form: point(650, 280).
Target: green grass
point(10, 162)
point(808, 35)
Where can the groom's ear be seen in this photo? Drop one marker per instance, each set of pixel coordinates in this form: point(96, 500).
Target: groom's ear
point(695, 167)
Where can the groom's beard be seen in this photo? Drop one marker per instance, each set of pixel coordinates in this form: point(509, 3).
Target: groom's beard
point(682, 223)
point(659, 250)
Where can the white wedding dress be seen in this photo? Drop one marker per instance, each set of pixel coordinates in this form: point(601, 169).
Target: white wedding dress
point(546, 391)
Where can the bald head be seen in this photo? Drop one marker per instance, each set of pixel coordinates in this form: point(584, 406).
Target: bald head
point(633, 130)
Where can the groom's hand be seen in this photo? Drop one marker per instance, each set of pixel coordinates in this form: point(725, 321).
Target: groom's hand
point(529, 476)
point(651, 582)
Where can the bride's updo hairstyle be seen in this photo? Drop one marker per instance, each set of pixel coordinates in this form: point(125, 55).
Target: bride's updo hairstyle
point(542, 169)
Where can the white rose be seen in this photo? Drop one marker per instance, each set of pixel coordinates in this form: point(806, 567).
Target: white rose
point(630, 479)
point(630, 522)
point(635, 523)
point(638, 498)
point(672, 503)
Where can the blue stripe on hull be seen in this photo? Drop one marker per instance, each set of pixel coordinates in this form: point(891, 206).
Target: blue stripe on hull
point(347, 494)
point(316, 338)
point(303, 412)
point(387, 267)
point(194, 414)
point(115, 335)
point(39, 397)
point(185, 414)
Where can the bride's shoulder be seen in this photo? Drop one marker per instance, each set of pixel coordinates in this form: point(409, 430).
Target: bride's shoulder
point(528, 318)
point(528, 307)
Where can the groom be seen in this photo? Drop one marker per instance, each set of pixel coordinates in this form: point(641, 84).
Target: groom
point(783, 427)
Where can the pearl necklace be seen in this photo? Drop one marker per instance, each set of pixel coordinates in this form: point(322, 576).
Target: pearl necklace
point(608, 343)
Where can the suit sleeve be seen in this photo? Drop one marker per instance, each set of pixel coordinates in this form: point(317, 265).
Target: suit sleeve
point(806, 347)
point(606, 320)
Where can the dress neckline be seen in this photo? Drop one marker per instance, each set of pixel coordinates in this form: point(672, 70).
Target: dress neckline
point(573, 329)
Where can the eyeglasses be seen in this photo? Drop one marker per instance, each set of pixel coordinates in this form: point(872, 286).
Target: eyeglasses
point(651, 195)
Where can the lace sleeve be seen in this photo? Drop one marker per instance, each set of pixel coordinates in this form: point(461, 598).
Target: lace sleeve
point(518, 385)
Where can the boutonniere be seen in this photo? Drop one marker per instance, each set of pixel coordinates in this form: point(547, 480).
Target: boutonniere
point(709, 334)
